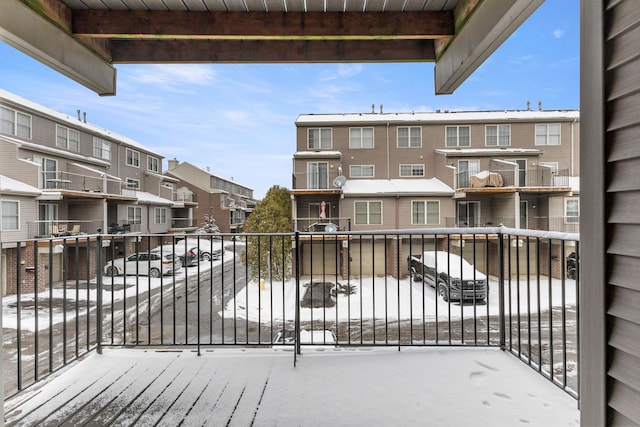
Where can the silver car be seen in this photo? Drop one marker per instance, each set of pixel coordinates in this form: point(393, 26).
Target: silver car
point(144, 264)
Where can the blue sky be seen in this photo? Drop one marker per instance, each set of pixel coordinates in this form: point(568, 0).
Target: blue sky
point(238, 120)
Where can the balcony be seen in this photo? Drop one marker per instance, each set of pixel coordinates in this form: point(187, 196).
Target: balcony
point(557, 223)
point(197, 344)
point(179, 223)
point(320, 224)
point(57, 228)
point(185, 197)
point(501, 180)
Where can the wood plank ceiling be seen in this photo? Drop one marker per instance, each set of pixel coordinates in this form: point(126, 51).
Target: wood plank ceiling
point(232, 31)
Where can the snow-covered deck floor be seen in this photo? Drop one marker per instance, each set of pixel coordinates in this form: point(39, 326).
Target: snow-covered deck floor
point(328, 387)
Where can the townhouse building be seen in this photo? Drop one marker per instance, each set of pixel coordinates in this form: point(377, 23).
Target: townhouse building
point(62, 176)
point(381, 171)
point(229, 202)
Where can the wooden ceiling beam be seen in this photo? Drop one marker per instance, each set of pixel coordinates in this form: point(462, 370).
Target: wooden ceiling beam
point(270, 51)
point(261, 25)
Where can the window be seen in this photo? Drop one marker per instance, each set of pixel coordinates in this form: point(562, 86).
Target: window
point(133, 183)
point(153, 164)
point(457, 136)
point(552, 166)
point(319, 138)
point(318, 175)
point(425, 212)
point(361, 138)
point(548, 134)
point(161, 215)
point(409, 137)
point(469, 214)
point(368, 213)
point(572, 211)
point(10, 216)
point(15, 123)
point(497, 135)
point(361, 171)
point(101, 149)
point(133, 158)
point(134, 215)
point(67, 138)
point(411, 170)
point(466, 169)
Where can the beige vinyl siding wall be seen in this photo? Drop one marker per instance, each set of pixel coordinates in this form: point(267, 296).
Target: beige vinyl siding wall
point(622, 127)
point(28, 211)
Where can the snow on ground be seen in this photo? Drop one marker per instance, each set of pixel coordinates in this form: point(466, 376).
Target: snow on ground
point(393, 299)
point(115, 289)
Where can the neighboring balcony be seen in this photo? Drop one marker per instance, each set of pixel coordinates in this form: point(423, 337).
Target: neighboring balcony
point(59, 228)
point(509, 180)
point(184, 223)
point(558, 223)
point(185, 197)
point(315, 183)
point(320, 225)
point(92, 186)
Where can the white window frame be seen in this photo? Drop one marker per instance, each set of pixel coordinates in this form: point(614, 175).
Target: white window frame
point(543, 135)
point(415, 170)
point(425, 204)
point(498, 135)
point(133, 184)
point(160, 216)
point(64, 138)
point(457, 136)
point(359, 171)
point(368, 213)
point(313, 178)
point(13, 121)
point(321, 141)
point(357, 142)
point(135, 158)
point(566, 211)
point(4, 218)
point(410, 140)
point(101, 148)
point(553, 166)
point(134, 215)
point(153, 164)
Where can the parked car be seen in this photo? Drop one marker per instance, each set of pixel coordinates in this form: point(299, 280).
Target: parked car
point(452, 276)
point(143, 263)
point(572, 266)
point(192, 251)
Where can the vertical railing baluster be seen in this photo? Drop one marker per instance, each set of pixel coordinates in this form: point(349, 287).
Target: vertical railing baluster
point(296, 331)
point(501, 314)
point(99, 294)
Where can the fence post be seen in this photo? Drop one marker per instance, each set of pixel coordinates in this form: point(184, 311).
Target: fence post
point(501, 266)
point(99, 293)
point(296, 344)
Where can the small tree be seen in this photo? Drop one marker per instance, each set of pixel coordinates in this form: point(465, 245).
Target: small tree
point(270, 255)
point(210, 225)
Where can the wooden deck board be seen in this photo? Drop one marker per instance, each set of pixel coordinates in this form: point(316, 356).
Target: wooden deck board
point(261, 387)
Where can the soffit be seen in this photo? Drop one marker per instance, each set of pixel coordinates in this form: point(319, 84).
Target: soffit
point(84, 38)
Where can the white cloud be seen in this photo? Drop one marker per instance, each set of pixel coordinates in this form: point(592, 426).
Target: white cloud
point(343, 71)
point(173, 75)
point(558, 33)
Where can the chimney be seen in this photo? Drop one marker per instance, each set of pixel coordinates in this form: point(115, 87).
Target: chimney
point(380, 108)
point(539, 105)
point(373, 108)
point(528, 105)
point(173, 163)
point(79, 119)
point(84, 115)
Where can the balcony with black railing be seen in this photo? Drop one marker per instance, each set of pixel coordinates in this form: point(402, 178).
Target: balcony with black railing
point(161, 346)
point(495, 179)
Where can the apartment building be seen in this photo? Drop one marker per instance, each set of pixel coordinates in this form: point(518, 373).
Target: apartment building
point(229, 202)
point(378, 171)
point(62, 176)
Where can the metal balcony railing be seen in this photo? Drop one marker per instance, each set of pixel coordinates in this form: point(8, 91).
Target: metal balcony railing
point(352, 288)
point(183, 222)
point(57, 228)
point(530, 178)
point(320, 224)
point(185, 197)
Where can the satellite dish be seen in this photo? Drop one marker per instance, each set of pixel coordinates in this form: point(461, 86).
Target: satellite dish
point(339, 181)
point(330, 228)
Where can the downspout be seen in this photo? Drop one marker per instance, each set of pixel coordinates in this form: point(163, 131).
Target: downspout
point(572, 145)
point(388, 160)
